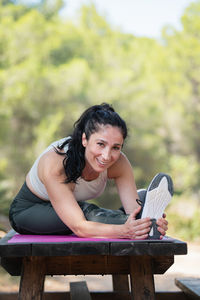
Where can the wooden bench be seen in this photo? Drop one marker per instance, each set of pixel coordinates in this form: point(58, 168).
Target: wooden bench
point(139, 259)
point(79, 291)
point(190, 286)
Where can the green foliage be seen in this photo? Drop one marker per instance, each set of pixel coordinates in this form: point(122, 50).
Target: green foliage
point(5, 195)
point(52, 69)
point(184, 228)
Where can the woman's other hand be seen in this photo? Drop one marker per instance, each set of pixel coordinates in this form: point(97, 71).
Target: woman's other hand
point(136, 229)
point(162, 225)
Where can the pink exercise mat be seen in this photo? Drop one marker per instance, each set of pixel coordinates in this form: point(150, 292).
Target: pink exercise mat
point(21, 238)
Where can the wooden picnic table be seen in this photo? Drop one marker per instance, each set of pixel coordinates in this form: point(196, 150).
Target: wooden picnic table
point(139, 259)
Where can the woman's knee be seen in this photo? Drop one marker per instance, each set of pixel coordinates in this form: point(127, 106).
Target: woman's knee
point(107, 216)
point(39, 219)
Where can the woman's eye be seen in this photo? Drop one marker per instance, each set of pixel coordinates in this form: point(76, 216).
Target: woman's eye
point(101, 144)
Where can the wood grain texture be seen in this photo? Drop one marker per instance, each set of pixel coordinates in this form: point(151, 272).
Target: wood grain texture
point(139, 259)
point(79, 291)
point(124, 248)
point(142, 282)
point(120, 282)
point(32, 278)
point(100, 296)
point(190, 286)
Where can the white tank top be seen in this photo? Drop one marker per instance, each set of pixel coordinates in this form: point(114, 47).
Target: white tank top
point(84, 190)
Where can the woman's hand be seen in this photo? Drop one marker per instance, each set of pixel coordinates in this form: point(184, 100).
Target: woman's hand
point(162, 225)
point(136, 229)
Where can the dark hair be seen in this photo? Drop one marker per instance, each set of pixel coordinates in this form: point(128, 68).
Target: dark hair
point(88, 123)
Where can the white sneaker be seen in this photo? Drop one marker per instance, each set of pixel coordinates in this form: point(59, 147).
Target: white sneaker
point(158, 196)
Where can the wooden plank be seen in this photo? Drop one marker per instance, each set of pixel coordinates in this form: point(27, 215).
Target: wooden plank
point(174, 248)
point(99, 296)
point(46, 296)
point(142, 281)
point(79, 291)
point(120, 282)
point(148, 248)
point(70, 248)
point(13, 265)
point(190, 286)
point(13, 250)
point(98, 264)
point(176, 295)
point(129, 248)
point(162, 263)
point(32, 278)
point(95, 264)
point(123, 248)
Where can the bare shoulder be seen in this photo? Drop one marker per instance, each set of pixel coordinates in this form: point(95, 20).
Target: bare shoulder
point(51, 164)
point(121, 166)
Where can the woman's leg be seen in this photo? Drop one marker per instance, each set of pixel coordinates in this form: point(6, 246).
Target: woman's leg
point(97, 214)
point(36, 216)
point(40, 218)
point(32, 215)
point(103, 215)
point(109, 216)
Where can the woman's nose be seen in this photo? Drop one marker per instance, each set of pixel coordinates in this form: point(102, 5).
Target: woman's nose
point(106, 154)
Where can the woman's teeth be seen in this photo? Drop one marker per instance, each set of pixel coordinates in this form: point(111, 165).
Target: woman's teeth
point(101, 162)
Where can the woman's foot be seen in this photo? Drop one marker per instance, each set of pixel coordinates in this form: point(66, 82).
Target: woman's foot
point(158, 196)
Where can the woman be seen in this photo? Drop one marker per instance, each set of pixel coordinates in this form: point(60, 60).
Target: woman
point(75, 169)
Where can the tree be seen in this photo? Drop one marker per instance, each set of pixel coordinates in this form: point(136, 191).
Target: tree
point(52, 69)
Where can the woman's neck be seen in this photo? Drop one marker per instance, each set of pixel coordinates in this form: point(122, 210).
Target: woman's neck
point(89, 174)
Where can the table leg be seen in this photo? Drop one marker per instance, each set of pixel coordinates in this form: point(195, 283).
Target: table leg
point(142, 280)
point(32, 278)
point(120, 282)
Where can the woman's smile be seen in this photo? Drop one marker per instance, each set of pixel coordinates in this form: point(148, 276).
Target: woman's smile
point(102, 163)
point(103, 147)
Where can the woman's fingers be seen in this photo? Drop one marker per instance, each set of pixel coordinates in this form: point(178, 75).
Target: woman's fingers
point(141, 237)
point(138, 229)
point(144, 226)
point(139, 223)
point(142, 232)
point(162, 225)
point(142, 229)
point(135, 212)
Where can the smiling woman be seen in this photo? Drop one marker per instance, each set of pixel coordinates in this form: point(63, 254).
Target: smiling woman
point(102, 149)
point(75, 169)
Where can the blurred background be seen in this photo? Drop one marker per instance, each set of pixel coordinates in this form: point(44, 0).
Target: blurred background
point(59, 57)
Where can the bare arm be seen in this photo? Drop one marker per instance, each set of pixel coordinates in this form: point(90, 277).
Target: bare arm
point(122, 173)
point(70, 213)
point(67, 208)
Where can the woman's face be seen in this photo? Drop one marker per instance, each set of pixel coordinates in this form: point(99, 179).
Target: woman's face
point(103, 147)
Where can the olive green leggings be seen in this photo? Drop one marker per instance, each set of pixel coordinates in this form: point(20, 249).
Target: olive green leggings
point(31, 215)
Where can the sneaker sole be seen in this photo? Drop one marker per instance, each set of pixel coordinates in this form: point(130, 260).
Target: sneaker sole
point(159, 194)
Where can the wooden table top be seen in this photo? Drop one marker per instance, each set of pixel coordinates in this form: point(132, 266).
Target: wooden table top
point(114, 248)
